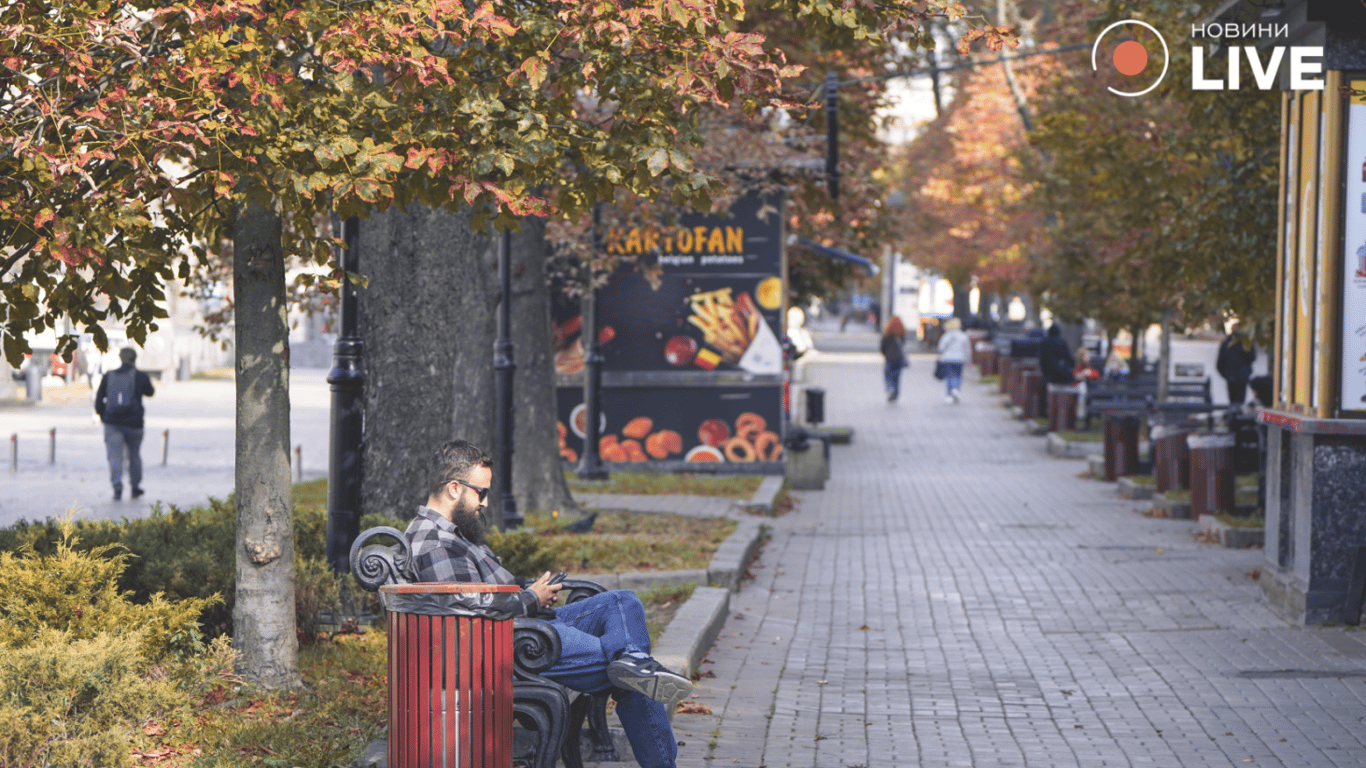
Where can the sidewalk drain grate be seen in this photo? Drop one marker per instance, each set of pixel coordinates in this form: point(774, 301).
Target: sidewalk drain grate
point(1300, 674)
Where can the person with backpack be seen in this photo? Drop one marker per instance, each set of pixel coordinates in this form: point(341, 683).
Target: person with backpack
point(119, 404)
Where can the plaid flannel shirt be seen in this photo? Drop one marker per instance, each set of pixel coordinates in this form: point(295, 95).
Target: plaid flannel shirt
point(440, 553)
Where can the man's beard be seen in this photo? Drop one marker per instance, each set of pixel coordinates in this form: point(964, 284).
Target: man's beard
point(469, 521)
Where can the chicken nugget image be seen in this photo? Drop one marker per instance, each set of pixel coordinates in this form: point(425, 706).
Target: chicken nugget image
point(638, 427)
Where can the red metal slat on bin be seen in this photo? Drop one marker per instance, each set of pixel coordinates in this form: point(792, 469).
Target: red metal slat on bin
point(504, 629)
point(450, 737)
point(487, 688)
point(466, 713)
point(425, 704)
point(392, 686)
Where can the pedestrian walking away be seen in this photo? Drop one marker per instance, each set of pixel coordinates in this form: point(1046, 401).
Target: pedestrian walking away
point(1234, 363)
point(118, 402)
point(605, 645)
point(893, 356)
point(953, 352)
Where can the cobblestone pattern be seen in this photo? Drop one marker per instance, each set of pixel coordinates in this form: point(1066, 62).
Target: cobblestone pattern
point(957, 597)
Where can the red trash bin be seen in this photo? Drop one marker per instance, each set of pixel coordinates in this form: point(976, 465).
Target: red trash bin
point(1171, 457)
point(1120, 432)
point(1211, 469)
point(1032, 397)
point(450, 676)
point(1062, 407)
point(1007, 375)
point(991, 362)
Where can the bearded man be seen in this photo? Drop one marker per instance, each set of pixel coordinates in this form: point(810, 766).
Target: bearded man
point(605, 646)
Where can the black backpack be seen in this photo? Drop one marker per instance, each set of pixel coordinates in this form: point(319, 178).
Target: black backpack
point(120, 393)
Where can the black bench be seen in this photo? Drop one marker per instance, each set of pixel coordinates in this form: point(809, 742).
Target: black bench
point(552, 711)
point(1126, 396)
point(1139, 395)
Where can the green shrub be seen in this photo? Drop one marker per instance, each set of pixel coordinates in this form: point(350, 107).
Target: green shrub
point(81, 664)
point(75, 702)
point(524, 553)
point(190, 553)
point(77, 592)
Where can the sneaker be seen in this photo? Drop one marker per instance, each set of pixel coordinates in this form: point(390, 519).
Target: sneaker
point(646, 676)
point(890, 395)
point(118, 492)
point(137, 491)
point(954, 395)
point(949, 399)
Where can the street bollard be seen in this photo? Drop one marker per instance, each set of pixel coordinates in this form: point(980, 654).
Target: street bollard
point(14, 452)
point(298, 463)
point(165, 445)
point(52, 446)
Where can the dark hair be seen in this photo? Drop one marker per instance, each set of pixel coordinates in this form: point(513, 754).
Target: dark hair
point(1054, 330)
point(128, 355)
point(453, 461)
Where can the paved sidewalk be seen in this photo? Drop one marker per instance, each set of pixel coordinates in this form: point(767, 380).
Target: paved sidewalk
point(956, 597)
point(199, 417)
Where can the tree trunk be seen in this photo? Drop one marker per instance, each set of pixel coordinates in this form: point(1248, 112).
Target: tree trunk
point(263, 615)
point(538, 476)
point(428, 323)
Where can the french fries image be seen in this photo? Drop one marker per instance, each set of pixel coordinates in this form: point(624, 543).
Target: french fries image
point(728, 325)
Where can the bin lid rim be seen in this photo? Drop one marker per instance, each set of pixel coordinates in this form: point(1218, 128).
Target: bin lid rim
point(446, 588)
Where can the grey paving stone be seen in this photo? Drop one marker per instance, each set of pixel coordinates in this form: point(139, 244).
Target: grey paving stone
point(955, 596)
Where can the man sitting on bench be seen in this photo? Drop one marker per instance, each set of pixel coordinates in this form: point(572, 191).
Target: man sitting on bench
point(604, 642)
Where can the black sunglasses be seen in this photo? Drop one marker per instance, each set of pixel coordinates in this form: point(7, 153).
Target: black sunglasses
point(483, 491)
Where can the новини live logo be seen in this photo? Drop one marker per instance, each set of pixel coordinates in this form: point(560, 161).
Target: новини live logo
point(1131, 57)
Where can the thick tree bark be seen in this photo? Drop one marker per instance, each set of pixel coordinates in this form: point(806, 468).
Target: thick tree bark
point(538, 477)
point(263, 615)
point(428, 322)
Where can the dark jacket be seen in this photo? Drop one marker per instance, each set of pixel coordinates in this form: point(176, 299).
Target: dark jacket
point(142, 387)
point(1235, 361)
point(892, 352)
point(1055, 361)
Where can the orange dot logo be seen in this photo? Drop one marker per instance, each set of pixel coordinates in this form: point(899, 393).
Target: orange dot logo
point(1130, 58)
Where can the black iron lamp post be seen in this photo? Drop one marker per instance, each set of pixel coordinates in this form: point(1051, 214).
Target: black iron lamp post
point(503, 368)
point(590, 464)
point(347, 378)
point(832, 135)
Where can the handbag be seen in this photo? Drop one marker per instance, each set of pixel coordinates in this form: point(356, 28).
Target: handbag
point(941, 370)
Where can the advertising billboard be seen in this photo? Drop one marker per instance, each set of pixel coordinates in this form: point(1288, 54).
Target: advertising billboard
point(691, 328)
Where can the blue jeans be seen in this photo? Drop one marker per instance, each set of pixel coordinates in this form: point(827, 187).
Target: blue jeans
point(954, 376)
point(892, 373)
point(115, 439)
point(593, 632)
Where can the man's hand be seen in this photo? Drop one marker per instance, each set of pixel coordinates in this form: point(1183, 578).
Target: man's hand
point(546, 593)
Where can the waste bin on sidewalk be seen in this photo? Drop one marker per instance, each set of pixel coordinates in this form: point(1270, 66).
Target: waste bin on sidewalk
point(1007, 366)
point(1171, 457)
point(450, 676)
point(1032, 398)
point(1062, 407)
point(991, 361)
point(1211, 467)
point(1120, 432)
point(806, 456)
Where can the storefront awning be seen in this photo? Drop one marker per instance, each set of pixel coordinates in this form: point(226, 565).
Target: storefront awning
point(834, 253)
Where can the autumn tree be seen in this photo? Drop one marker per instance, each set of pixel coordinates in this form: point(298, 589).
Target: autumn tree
point(1166, 206)
point(136, 132)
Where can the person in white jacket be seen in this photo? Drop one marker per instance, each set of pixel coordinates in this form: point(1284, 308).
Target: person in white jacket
point(954, 347)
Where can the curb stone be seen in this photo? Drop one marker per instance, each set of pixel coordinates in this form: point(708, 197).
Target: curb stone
point(766, 496)
point(1078, 449)
point(1231, 537)
point(1128, 489)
